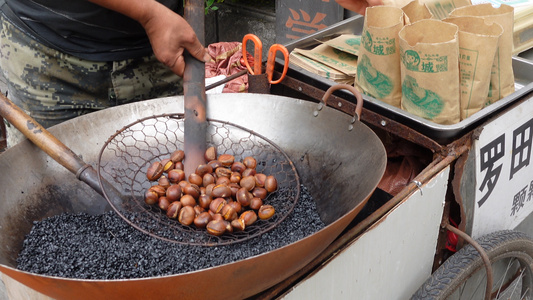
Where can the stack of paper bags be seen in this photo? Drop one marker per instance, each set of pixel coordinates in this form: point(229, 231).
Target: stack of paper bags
point(335, 59)
point(523, 25)
point(523, 16)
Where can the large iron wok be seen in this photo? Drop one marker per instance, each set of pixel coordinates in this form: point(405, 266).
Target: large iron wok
point(339, 162)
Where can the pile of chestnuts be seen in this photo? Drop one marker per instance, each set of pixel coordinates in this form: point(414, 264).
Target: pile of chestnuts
point(223, 195)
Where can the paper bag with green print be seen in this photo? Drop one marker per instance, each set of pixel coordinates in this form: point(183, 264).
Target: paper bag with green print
point(416, 11)
point(378, 69)
point(502, 80)
point(478, 42)
point(430, 70)
point(334, 58)
point(439, 9)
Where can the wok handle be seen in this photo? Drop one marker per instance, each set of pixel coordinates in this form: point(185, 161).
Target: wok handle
point(357, 94)
point(41, 137)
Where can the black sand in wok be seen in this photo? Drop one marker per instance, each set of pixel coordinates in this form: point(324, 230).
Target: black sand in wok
point(105, 247)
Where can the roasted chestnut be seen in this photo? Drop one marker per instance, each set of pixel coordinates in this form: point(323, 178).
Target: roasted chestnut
point(187, 200)
point(174, 209)
point(158, 189)
point(238, 224)
point(249, 217)
point(222, 172)
point(229, 228)
point(260, 179)
point(216, 227)
point(216, 216)
point(210, 154)
point(260, 192)
point(167, 165)
point(150, 197)
point(193, 190)
point(234, 187)
point(177, 156)
point(179, 166)
point(249, 162)
point(229, 213)
point(163, 181)
point(238, 167)
point(244, 197)
point(154, 171)
point(249, 172)
point(163, 203)
point(173, 193)
point(176, 175)
point(223, 187)
point(266, 212)
point(221, 191)
point(222, 180)
point(235, 177)
point(236, 206)
point(196, 179)
point(248, 183)
point(226, 159)
point(201, 170)
point(202, 219)
point(215, 164)
point(256, 203)
point(217, 204)
point(184, 184)
point(186, 215)
point(207, 179)
point(204, 200)
point(271, 184)
point(209, 189)
point(198, 210)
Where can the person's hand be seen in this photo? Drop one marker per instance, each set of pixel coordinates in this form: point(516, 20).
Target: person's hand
point(170, 35)
point(358, 6)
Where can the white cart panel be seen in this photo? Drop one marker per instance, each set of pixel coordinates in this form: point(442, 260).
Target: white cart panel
point(391, 259)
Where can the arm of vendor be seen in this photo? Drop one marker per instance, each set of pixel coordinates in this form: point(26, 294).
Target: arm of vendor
point(169, 33)
point(359, 6)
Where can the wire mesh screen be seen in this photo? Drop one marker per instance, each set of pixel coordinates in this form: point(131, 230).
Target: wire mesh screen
point(125, 157)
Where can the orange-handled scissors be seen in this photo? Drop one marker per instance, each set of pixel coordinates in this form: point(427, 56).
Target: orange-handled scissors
point(258, 54)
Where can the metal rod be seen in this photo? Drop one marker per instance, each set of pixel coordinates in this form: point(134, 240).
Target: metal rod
point(194, 90)
point(482, 253)
point(227, 79)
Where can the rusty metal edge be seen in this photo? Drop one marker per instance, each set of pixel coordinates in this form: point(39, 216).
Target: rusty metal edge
point(367, 116)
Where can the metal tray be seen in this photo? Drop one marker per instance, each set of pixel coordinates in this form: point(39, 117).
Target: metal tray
point(443, 134)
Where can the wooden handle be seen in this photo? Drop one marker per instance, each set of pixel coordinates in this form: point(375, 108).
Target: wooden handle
point(41, 137)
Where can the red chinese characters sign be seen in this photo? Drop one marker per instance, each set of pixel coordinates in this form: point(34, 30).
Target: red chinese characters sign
point(297, 19)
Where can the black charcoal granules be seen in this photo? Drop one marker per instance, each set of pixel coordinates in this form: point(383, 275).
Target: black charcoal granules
point(105, 247)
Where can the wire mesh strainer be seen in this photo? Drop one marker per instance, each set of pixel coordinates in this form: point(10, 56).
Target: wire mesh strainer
point(126, 155)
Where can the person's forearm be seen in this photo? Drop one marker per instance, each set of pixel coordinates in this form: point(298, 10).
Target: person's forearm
point(358, 6)
point(349, 4)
